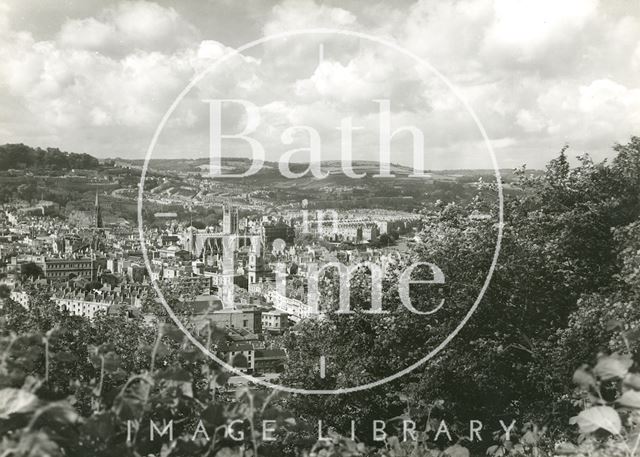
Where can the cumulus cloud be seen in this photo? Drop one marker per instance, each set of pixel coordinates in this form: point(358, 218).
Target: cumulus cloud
point(301, 14)
point(525, 32)
point(129, 26)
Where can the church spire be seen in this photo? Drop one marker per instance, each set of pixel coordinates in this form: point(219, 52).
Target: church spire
point(97, 217)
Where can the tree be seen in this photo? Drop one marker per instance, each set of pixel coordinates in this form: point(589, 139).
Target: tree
point(110, 279)
point(31, 270)
point(384, 240)
point(20, 156)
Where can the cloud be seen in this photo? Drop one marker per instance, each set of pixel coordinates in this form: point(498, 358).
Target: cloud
point(301, 14)
point(537, 73)
point(61, 85)
point(535, 32)
point(530, 122)
point(139, 25)
point(87, 33)
point(600, 111)
point(376, 72)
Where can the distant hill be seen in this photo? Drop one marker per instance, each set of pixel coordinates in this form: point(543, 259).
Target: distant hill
point(241, 164)
point(23, 157)
point(270, 169)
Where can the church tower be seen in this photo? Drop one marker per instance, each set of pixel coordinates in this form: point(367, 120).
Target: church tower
point(229, 220)
point(255, 262)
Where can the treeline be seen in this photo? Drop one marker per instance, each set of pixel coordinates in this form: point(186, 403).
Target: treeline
point(21, 157)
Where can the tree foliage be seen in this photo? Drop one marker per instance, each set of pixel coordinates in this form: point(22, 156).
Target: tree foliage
point(20, 156)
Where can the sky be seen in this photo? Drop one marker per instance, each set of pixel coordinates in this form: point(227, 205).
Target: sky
point(98, 76)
